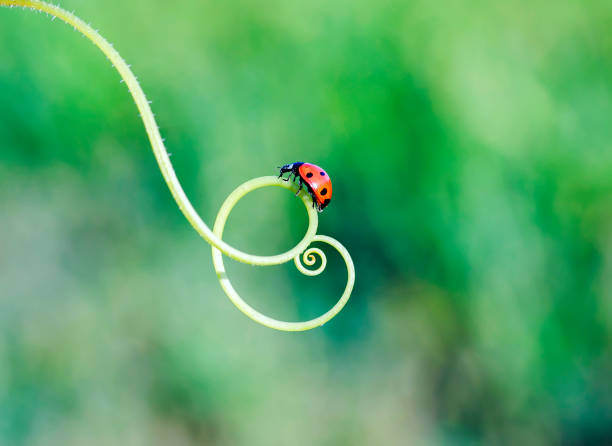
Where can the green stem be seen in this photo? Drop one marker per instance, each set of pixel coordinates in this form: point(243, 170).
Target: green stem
point(213, 238)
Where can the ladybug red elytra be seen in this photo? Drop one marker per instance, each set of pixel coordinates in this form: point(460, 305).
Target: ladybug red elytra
point(316, 180)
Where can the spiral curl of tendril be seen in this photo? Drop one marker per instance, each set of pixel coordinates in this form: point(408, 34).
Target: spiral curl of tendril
point(213, 237)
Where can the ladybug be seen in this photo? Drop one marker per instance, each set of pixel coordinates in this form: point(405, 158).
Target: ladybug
point(315, 179)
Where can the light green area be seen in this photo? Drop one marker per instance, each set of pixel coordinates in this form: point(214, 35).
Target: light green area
point(470, 150)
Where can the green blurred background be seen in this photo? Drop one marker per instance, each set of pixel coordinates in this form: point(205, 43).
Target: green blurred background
point(470, 149)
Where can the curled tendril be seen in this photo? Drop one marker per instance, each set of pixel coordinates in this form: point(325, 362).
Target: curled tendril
point(213, 237)
point(310, 258)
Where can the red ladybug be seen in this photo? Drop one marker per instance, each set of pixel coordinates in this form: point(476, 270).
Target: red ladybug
point(316, 180)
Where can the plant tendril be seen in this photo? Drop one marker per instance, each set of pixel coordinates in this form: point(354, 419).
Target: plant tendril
point(213, 237)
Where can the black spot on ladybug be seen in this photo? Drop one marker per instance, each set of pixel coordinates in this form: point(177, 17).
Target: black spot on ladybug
point(309, 174)
point(322, 174)
point(324, 191)
point(326, 202)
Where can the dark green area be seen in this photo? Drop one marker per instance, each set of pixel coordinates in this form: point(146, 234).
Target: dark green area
point(470, 149)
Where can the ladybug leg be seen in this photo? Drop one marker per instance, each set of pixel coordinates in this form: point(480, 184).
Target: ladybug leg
point(283, 171)
point(315, 204)
point(299, 188)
